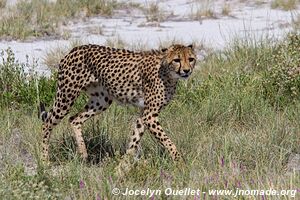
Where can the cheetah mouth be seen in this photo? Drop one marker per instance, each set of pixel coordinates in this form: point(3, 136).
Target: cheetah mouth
point(184, 75)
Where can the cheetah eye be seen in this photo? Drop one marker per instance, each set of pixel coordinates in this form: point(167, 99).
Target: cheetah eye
point(177, 60)
point(191, 59)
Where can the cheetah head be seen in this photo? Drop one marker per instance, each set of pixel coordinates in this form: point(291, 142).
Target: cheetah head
point(180, 60)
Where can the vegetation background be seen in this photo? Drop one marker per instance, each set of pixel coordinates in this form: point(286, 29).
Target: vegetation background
point(236, 120)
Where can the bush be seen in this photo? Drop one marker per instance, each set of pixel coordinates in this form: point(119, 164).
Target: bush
point(20, 87)
point(281, 80)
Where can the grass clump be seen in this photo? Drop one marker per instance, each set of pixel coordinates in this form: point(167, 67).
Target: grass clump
point(284, 4)
point(153, 12)
point(102, 7)
point(226, 10)
point(202, 10)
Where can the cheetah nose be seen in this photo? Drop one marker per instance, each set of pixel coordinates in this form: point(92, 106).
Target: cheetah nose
point(186, 71)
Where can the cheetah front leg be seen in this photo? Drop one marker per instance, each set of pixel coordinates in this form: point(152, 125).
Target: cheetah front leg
point(151, 121)
point(132, 151)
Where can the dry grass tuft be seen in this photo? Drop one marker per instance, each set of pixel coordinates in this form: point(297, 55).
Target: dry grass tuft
point(202, 10)
point(54, 55)
point(296, 22)
point(153, 12)
point(116, 42)
point(3, 3)
point(226, 9)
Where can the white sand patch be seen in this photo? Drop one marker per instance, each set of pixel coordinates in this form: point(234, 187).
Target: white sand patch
point(245, 20)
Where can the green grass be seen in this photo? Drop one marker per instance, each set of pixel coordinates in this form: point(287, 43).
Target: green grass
point(236, 121)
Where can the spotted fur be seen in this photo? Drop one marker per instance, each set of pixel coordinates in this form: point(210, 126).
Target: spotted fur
point(144, 79)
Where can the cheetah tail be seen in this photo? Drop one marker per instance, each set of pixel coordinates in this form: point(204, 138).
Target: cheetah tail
point(42, 112)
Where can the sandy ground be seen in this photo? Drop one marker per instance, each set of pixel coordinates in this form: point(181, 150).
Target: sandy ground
point(131, 26)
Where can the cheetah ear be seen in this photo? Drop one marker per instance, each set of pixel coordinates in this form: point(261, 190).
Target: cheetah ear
point(191, 46)
point(164, 50)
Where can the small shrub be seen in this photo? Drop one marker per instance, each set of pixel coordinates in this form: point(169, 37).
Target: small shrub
point(20, 87)
point(282, 78)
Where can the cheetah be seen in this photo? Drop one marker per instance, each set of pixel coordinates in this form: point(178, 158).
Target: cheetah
point(145, 79)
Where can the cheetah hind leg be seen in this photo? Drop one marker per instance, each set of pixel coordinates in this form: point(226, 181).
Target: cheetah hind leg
point(96, 104)
point(53, 117)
